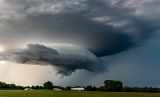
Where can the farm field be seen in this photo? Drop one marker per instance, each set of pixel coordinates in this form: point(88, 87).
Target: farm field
point(44, 93)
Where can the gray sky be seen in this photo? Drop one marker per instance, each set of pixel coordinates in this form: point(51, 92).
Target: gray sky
point(81, 40)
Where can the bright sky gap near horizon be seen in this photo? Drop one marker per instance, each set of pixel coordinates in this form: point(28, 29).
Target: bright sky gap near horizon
point(70, 42)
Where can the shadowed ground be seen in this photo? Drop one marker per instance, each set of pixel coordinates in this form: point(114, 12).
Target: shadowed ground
point(43, 93)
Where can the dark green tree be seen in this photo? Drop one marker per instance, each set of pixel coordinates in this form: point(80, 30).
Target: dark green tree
point(90, 88)
point(102, 88)
point(12, 86)
point(48, 85)
point(32, 87)
point(127, 89)
point(112, 85)
point(68, 88)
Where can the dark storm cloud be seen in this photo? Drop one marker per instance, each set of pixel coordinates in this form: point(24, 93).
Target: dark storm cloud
point(65, 59)
point(104, 27)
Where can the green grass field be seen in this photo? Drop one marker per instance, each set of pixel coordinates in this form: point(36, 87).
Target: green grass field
point(44, 93)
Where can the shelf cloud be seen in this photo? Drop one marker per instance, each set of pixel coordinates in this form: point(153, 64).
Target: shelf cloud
point(64, 58)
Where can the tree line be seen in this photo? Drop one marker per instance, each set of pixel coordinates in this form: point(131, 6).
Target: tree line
point(109, 85)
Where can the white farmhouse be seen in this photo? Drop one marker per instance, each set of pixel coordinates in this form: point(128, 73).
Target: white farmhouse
point(77, 89)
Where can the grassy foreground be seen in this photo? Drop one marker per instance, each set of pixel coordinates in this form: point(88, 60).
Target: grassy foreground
point(44, 93)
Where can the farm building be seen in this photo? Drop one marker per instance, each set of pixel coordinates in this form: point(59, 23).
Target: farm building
point(77, 89)
point(28, 89)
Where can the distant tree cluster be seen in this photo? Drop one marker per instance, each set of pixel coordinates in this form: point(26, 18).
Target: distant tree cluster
point(4, 86)
point(109, 85)
point(140, 89)
point(37, 87)
point(47, 86)
point(117, 86)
